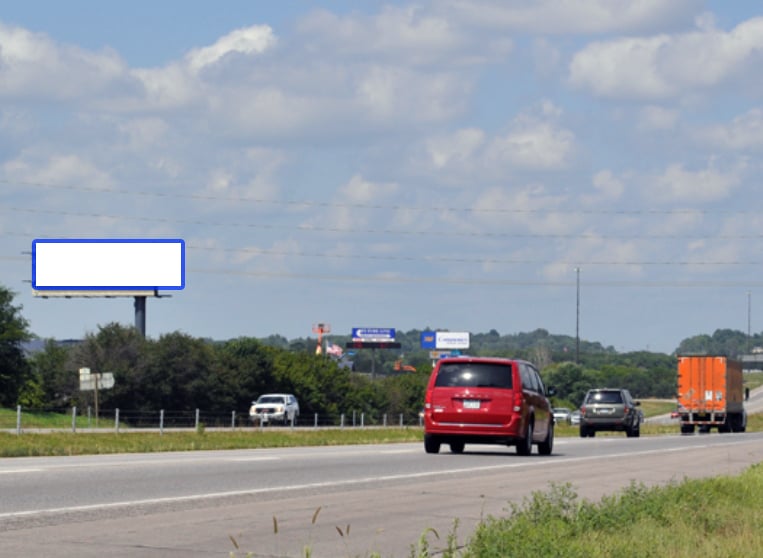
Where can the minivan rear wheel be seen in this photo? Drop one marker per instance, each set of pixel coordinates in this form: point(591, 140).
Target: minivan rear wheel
point(547, 445)
point(525, 447)
point(431, 444)
point(457, 447)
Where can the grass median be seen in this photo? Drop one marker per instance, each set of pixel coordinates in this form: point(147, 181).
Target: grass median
point(134, 441)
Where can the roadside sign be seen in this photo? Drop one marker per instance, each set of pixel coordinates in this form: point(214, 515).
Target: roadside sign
point(87, 380)
point(372, 345)
point(373, 334)
point(446, 340)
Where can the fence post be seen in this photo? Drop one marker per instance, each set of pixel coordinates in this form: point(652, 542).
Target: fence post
point(233, 420)
point(196, 424)
point(88, 416)
point(362, 420)
point(116, 420)
point(161, 422)
point(341, 421)
point(401, 420)
point(18, 419)
point(385, 420)
point(315, 422)
point(353, 418)
point(74, 419)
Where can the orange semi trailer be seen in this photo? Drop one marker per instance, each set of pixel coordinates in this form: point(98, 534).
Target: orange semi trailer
point(710, 394)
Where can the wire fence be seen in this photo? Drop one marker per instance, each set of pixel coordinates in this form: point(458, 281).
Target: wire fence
point(73, 419)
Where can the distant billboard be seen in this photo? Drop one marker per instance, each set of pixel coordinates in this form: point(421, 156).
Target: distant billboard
point(446, 340)
point(379, 334)
point(108, 264)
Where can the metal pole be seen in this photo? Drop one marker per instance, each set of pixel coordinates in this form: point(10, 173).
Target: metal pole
point(161, 422)
point(116, 420)
point(233, 420)
point(577, 317)
point(74, 419)
point(196, 425)
point(96, 399)
point(140, 315)
point(749, 312)
point(18, 419)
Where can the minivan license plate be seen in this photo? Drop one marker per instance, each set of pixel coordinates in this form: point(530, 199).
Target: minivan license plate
point(471, 404)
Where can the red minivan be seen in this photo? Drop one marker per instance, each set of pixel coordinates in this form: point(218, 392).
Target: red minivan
point(481, 400)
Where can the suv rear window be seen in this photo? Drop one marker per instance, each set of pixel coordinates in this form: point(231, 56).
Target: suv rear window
point(610, 397)
point(474, 374)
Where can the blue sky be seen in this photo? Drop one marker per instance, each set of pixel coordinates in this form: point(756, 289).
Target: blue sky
point(445, 164)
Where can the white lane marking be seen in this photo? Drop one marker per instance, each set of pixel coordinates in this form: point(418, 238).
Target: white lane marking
point(399, 451)
point(253, 458)
point(347, 482)
point(17, 471)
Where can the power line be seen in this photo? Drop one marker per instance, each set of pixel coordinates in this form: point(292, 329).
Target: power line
point(372, 231)
point(485, 282)
point(395, 207)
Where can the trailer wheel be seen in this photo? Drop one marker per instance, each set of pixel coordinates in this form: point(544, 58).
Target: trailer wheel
point(687, 429)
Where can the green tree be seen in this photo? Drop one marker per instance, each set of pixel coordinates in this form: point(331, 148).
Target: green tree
point(244, 370)
point(56, 384)
point(179, 374)
point(14, 369)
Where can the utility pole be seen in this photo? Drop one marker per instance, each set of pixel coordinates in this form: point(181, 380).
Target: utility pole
point(577, 317)
point(749, 312)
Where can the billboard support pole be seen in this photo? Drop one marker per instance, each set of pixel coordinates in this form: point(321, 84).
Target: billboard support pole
point(140, 315)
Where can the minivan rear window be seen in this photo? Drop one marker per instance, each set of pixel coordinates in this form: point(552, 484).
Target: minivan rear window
point(474, 374)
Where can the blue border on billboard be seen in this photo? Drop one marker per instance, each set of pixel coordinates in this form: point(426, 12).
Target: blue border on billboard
point(111, 241)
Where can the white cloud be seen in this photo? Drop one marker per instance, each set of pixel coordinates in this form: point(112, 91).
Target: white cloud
point(407, 36)
point(575, 16)
point(250, 40)
point(70, 169)
point(32, 66)
point(677, 184)
point(533, 142)
point(527, 209)
point(608, 188)
point(653, 117)
point(457, 149)
point(666, 66)
point(744, 132)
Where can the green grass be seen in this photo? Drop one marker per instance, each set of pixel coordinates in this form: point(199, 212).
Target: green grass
point(48, 420)
point(753, 379)
point(719, 517)
point(654, 407)
point(80, 443)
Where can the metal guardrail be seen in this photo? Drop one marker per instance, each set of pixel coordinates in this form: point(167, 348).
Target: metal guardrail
point(118, 420)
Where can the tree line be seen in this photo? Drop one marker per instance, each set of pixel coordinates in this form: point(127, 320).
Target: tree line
point(181, 372)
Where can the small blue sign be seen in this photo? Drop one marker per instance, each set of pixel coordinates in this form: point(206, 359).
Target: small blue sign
point(428, 340)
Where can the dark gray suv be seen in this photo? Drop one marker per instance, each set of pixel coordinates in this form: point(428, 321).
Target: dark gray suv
point(610, 409)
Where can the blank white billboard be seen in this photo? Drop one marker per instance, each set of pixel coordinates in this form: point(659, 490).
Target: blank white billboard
point(108, 264)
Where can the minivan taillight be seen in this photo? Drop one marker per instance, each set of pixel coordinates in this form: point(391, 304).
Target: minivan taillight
point(517, 400)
